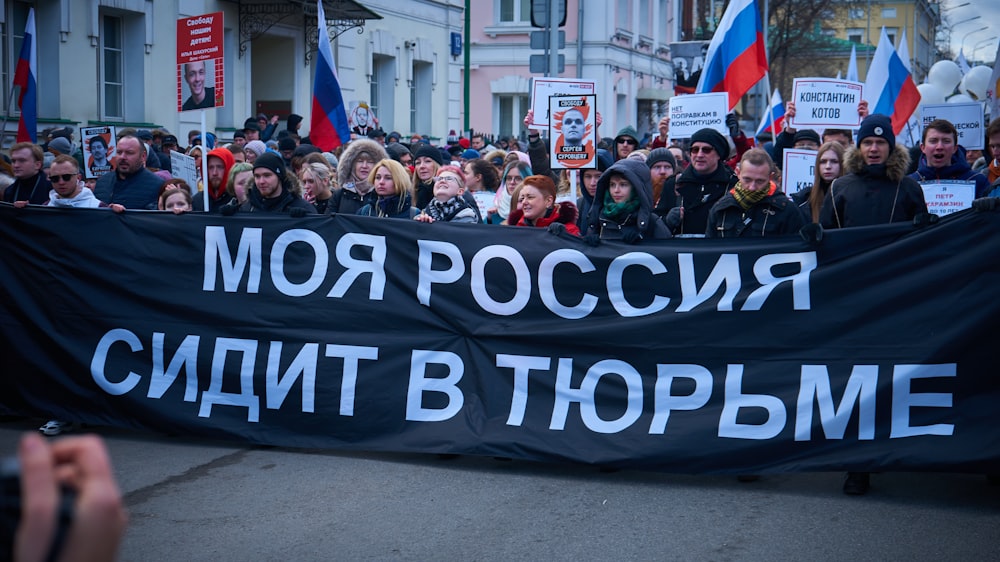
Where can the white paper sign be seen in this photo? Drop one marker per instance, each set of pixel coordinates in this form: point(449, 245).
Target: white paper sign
point(692, 112)
point(572, 132)
point(945, 197)
point(544, 88)
point(798, 170)
point(966, 117)
point(182, 167)
point(826, 103)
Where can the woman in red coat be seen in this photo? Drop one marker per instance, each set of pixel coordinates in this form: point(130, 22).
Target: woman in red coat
point(539, 208)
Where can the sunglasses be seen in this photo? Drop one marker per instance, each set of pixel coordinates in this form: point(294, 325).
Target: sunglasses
point(64, 177)
point(702, 149)
point(627, 141)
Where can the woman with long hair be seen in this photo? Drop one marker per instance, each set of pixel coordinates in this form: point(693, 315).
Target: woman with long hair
point(829, 166)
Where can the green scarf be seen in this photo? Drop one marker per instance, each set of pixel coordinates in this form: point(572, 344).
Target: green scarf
point(746, 198)
point(618, 212)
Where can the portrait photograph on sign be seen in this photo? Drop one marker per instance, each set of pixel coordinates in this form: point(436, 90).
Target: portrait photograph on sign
point(198, 85)
point(572, 130)
point(200, 62)
point(98, 150)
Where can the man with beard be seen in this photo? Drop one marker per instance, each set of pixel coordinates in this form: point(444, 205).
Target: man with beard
point(131, 184)
point(662, 170)
point(220, 161)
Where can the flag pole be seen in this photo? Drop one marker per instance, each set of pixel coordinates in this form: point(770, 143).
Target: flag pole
point(6, 115)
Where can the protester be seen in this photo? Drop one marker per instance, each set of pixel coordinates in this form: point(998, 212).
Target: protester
point(663, 131)
point(131, 184)
point(274, 191)
point(356, 164)
point(481, 181)
point(829, 166)
point(942, 158)
point(220, 161)
point(788, 138)
point(448, 204)
point(253, 149)
point(67, 189)
point(239, 181)
point(426, 161)
point(623, 208)
point(588, 189)
point(875, 188)
point(31, 184)
point(513, 174)
point(317, 182)
point(626, 141)
point(176, 200)
point(701, 184)
point(993, 144)
point(393, 191)
point(539, 207)
point(662, 171)
point(754, 208)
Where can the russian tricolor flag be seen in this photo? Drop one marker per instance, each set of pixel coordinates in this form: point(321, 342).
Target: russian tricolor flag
point(777, 117)
point(328, 127)
point(889, 87)
point(736, 58)
point(25, 76)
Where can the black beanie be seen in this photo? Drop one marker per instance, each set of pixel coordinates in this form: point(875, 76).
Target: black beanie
point(806, 135)
point(287, 143)
point(429, 151)
point(877, 125)
point(272, 162)
point(713, 138)
point(661, 154)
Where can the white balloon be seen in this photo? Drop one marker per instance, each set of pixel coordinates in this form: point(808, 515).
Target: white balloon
point(975, 82)
point(929, 94)
point(960, 98)
point(945, 74)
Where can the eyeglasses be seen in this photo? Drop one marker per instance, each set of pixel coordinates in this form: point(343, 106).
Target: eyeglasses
point(451, 179)
point(64, 177)
point(702, 149)
point(513, 179)
point(627, 141)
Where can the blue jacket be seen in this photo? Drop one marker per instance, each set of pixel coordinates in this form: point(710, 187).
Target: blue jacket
point(958, 169)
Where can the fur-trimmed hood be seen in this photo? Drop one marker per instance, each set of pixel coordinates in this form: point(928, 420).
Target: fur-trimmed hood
point(895, 166)
point(345, 166)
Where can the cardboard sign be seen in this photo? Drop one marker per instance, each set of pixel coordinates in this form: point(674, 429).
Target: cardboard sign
point(544, 88)
point(945, 197)
point(573, 129)
point(691, 113)
point(966, 117)
point(826, 103)
point(798, 170)
point(183, 167)
point(200, 74)
point(98, 150)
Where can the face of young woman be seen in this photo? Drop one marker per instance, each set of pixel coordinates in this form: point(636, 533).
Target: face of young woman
point(829, 166)
point(384, 186)
point(534, 203)
point(425, 168)
point(177, 203)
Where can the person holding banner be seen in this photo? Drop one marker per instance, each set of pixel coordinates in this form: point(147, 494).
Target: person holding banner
point(623, 205)
point(755, 208)
point(941, 158)
point(220, 161)
point(356, 163)
point(274, 191)
point(448, 204)
point(829, 166)
point(131, 184)
point(393, 191)
point(993, 144)
point(539, 208)
point(701, 184)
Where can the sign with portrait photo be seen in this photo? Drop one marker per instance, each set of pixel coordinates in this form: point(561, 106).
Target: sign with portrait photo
point(544, 88)
point(200, 63)
point(572, 129)
point(98, 150)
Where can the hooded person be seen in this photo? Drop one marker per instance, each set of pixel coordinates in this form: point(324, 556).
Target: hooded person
point(623, 205)
point(218, 175)
point(354, 166)
point(701, 184)
point(588, 187)
point(625, 142)
point(875, 188)
point(274, 190)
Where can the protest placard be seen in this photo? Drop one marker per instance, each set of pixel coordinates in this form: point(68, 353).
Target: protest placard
point(945, 197)
point(826, 103)
point(572, 129)
point(98, 150)
point(200, 63)
point(798, 170)
point(544, 88)
point(183, 167)
point(966, 117)
point(689, 113)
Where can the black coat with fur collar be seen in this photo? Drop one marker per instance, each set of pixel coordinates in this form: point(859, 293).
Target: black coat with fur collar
point(873, 194)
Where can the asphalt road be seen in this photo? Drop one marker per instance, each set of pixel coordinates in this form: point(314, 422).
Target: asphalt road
point(201, 500)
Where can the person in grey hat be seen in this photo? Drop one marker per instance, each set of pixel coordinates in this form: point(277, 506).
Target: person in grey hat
point(701, 184)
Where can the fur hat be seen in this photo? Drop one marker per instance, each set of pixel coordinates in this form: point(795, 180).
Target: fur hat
point(877, 125)
point(661, 154)
point(714, 139)
point(428, 151)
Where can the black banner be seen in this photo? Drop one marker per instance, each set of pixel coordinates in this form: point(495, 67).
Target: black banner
point(870, 351)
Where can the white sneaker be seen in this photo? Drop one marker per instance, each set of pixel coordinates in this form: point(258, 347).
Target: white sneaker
point(56, 427)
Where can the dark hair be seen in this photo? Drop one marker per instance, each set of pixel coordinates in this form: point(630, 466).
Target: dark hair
point(846, 132)
point(491, 180)
point(941, 126)
point(993, 128)
point(97, 138)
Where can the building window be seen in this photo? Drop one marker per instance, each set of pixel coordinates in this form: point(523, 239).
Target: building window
point(856, 13)
point(888, 13)
point(892, 32)
point(420, 98)
point(855, 35)
point(112, 71)
point(624, 15)
point(515, 11)
point(510, 113)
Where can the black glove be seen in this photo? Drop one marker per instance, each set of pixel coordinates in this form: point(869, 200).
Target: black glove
point(734, 125)
point(557, 229)
point(812, 233)
point(986, 204)
point(229, 209)
point(924, 219)
point(592, 239)
point(296, 212)
point(673, 219)
point(631, 234)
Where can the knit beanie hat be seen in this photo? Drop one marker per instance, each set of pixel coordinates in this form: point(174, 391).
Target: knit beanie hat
point(661, 154)
point(272, 162)
point(714, 139)
point(61, 144)
point(428, 151)
point(877, 125)
point(286, 143)
point(256, 146)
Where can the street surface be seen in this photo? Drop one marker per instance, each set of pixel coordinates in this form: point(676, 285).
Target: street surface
point(199, 500)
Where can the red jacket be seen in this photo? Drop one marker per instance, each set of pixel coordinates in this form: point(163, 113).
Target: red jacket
point(564, 213)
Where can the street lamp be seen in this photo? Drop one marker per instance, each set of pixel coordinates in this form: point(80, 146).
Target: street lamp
point(983, 28)
point(981, 44)
point(943, 10)
point(954, 25)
